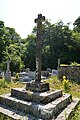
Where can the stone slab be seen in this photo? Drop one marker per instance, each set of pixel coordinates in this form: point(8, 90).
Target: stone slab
point(45, 112)
point(44, 97)
point(37, 86)
point(20, 105)
point(8, 113)
point(55, 106)
point(68, 111)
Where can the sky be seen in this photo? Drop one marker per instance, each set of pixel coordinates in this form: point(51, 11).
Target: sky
point(20, 14)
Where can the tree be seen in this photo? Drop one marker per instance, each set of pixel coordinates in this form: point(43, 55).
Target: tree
point(77, 25)
point(56, 42)
point(29, 56)
point(13, 52)
point(75, 52)
point(2, 40)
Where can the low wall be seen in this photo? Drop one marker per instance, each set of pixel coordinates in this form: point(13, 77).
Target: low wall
point(71, 73)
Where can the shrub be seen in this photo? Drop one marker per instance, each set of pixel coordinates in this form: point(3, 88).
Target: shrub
point(65, 84)
point(17, 76)
point(3, 84)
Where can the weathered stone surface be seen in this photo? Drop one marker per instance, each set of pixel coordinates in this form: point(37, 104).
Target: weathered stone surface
point(71, 72)
point(8, 76)
point(19, 105)
point(44, 97)
point(68, 111)
point(45, 73)
point(45, 112)
point(8, 72)
point(56, 106)
point(8, 113)
point(37, 86)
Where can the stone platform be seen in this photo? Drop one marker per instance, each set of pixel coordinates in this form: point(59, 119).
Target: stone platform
point(24, 104)
point(37, 86)
point(43, 97)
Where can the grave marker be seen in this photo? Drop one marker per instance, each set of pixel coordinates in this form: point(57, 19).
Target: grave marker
point(58, 63)
point(39, 21)
point(38, 86)
point(8, 73)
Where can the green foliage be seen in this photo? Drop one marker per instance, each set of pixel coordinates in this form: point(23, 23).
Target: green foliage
point(58, 42)
point(74, 64)
point(3, 117)
point(76, 115)
point(3, 84)
point(29, 57)
point(5, 87)
point(77, 25)
point(17, 76)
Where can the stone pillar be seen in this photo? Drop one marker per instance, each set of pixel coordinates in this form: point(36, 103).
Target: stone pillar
point(39, 46)
point(38, 86)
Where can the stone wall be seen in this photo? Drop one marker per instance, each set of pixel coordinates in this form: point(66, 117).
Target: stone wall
point(71, 73)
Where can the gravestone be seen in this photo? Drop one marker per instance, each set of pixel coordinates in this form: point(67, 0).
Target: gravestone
point(49, 70)
point(58, 63)
point(8, 72)
point(32, 74)
point(54, 72)
point(38, 86)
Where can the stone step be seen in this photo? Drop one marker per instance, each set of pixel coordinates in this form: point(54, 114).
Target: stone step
point(68, 111)
point(7, 113)
point(54, 108)
point(20, 105)
point(45, 112)
point(44, 97)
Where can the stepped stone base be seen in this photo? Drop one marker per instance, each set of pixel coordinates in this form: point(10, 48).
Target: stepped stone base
point(33, 103)
point(37, 86)
point(11, 114)
point(41, 111)
point(44, 97)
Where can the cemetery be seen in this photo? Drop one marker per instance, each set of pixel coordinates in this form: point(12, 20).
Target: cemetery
point(42, 95)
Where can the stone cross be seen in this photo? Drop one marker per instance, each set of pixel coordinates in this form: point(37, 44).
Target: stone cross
point(39, 21)
point(8, 65)
point(58, 63)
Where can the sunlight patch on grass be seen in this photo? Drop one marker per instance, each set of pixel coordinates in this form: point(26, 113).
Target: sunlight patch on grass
point(5, 87)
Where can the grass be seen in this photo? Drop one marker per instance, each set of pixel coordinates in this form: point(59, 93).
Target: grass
point(74, 89)
point(54, 83)
point(5, 87)
point(76, 115)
